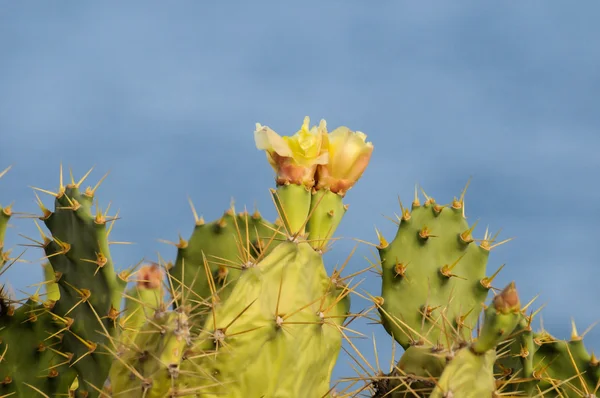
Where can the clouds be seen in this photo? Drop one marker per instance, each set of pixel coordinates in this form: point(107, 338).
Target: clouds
point(167, 98)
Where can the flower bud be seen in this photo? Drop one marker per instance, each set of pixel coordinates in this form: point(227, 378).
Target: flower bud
point(349, 155)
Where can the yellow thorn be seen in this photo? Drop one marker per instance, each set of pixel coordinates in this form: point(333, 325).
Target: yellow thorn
point(382, 242)
point(427, 198)
point(61, 186)
point(487, 281)
point(36, 390)
point(72, 184)
point(447, 269)
point(112, 223)
point(416, 202)
point(500, 243)
point(467, 236)
point(92, 191)
point(196, 218)
point(86, 175)
point(3, 172)
point(56, 195)
point(464, 191)
point(574, 335)
point(46, 212)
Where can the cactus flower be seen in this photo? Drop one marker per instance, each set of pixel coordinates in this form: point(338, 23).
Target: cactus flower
point(294, 158)
point(349, 155)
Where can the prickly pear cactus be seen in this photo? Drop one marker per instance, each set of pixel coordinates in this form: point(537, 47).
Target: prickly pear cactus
point(247, 308)
point(272, 319)
point(48, 343)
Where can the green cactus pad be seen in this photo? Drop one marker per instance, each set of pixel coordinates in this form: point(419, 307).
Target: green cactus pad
point(432, 266)
point(150, 367)
point(90, 290)
point(31, 356)
point(225, 247)
point(326, 213)
point(279, 333)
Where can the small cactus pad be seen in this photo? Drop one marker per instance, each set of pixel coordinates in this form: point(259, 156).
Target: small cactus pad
point(433, 272)
point(224, 249)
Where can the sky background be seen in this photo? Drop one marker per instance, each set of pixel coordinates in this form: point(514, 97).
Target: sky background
point(167, 97)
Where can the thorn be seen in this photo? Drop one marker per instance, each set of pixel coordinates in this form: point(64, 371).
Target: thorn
point(382, 242)
point(72, 184)
point(196, 218)
point(416, 202)
point(61, 186)
point(574, 335)
point(56, 195)
point(78, 184)
point(446, 270)
point(3, 172)
point(467, 236)
point(487, 281)
point(91, 191)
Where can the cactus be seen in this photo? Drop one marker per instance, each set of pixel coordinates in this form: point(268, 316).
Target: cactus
point(433, 285)
point(247, 308)
point(50, 343)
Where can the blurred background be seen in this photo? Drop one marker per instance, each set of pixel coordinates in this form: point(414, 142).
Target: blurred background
point(166, 97)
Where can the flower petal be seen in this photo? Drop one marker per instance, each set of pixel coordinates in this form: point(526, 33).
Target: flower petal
point(268, 140)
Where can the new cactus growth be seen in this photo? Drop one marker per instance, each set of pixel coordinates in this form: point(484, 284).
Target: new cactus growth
point(471, 372)
point(247, 309)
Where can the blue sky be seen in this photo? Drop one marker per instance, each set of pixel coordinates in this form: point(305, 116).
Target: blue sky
point(166, 98)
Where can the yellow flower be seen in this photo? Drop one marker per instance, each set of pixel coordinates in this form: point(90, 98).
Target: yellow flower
point(349, 156)
point(294, 158)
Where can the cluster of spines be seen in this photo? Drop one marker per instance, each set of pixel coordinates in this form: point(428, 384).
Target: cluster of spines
point(217, 253)
point(537, 363)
